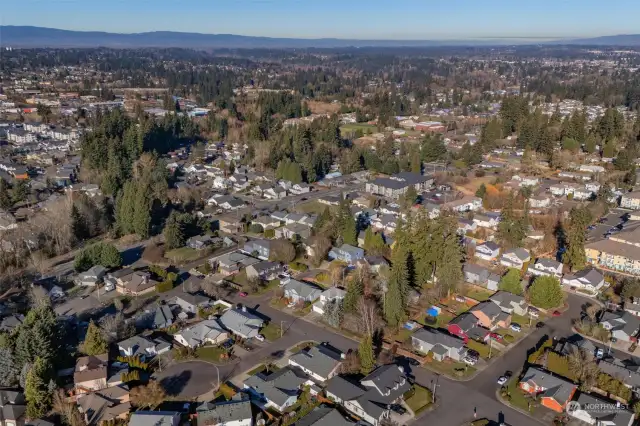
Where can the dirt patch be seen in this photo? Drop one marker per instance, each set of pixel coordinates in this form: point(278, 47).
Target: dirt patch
point(317, 107)
point(154, 254)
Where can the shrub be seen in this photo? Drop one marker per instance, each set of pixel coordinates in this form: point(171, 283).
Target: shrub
point(103, 254)
point(297, 266)
point(256, 228)
point(269, 233)
point(164, 286)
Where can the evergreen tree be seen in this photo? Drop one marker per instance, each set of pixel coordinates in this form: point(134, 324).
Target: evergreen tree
point(546, 293)
point(367, 355)
point(511, 282)
point(36, 391)
point(125, 205)
point(449, 271)
point(590, 143)
point(323, 220)
point(575, 238)
point(355, 290)
point(482, 191)
point(39, 336)
point(142, 213)
point(433, 149)
point(368, 238)
point(333, 313)
point(94, 342)
point(5, 198)
point(173, 234)
point(511, 229)
point(395, 300)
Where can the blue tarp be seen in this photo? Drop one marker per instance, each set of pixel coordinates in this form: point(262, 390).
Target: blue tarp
point(433, 311)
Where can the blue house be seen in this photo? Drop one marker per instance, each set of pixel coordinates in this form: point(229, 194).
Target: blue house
point(346, 253)
point(262, 248)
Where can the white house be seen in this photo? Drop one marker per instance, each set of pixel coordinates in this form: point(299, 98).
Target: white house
point(331, 294)
point(515, 258)
point(563, 189)
point(539, 201)
point(466, 204)
point(487, 251)
point(588, 279)
point(486, 221)
point(208, 331)
point(547, 267)
point(526, 180)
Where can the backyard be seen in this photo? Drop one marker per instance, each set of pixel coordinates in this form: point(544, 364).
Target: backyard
point(518, 398)
point(477, 293)
point(441, 320)
point(418, 399)
point(183, 255)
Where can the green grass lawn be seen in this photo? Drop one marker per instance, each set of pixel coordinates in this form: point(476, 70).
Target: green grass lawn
point(401, 335)
point(271, 285)
point(240, 278)
point(210, 353)
point(482, 349)
point(352, 127)
point(442, 319)
point(313, 206)
point(477, 293)
point(518, 398)
point(420, 398)
point(271, 332)
point(451, 368)
point(523, 321)
point(183, 255)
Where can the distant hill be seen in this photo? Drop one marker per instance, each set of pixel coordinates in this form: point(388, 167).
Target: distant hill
point(26, 36)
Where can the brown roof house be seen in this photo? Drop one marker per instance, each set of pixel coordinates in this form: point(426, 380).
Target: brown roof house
point(91, 373)
point(12, 407)
point(490, 315)
point(128, 281)
point(105, 405)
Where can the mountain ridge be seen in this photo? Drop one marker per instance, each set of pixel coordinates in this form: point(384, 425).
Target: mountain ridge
point(32, 36)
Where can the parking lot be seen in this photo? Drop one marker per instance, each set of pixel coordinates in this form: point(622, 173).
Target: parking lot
point(614, 218)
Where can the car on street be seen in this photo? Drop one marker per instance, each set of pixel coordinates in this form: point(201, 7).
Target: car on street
point(508, 374)
point(84, 296)
point(502, 380)
point(539, 324)
point(260, 337)
point(473, 353)
point(556, 313)
point(591, 227)
point(599, 353)
point(602, 220)
point(516, 327)
point(242, 294)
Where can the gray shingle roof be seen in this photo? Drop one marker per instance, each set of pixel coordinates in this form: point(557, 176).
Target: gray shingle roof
point(616, 417)
point(278, 386)
point(437, 338)
point(241, 322)
point(154, 418)
point(556, 387)
point(318, 359)
point(343, 389)
point(323, 416)
point(228, 411)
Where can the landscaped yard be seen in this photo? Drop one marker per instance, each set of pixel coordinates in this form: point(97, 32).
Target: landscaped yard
point(441, 320)
point(401, 335)
point(451, 368)
point(260, 368)
point(482, 349)
point(420, 398)
point(240, 278)
point(211, 353)
point(271, 332)
point(523, 321)
point(311, 207)
point(518, 398)
point(477, 293)
point(271, 285)
point(183, 254)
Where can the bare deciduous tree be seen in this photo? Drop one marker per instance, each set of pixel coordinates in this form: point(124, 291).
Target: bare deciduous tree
point(148, 396)
point(369, 315)
point(38, 296)
point(67, 409)
point(584, 368)
point(592, 312)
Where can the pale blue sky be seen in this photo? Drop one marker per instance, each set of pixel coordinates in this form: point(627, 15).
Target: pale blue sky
point(363, 19)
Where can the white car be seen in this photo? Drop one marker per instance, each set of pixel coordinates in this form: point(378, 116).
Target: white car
point(516, 328)
point(502, 380)
point(260, 337)
point(469, 360)
point(599, 353)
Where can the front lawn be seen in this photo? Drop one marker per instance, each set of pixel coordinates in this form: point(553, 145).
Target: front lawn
point(240, 278)
point(401, 335)
point(478, 294)
point(418, 399)
point(518, 398)
point(271, 285)
point(183, 255)
point(482, 349)
point(451, 368)
point(212, 353)
point(523, 321)
point(271, 332)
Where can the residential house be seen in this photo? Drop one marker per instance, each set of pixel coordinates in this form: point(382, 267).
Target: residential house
point(465, 326)
point(329, 295)
point(230, 225)
point(487, 251)
point(91, 373)
point(582, 193)
point(301, 291)
point(622, 325)
point(162, 317)
point(376, 263)
point(206, 332)
point(619, 252)
point(105, 405)
point(92, 276)
point(346, 253)
point(486, 221)
point(613, 416)
point(143, 346)
point(324, 416)
point(553, 392)
point(630, 200)
point(465, 204)
point(267, 222)
point(128, 281)
point(515, 258)
point(13, 408)
point(236, 412)
point(441, 345)
point(588, 279)
point(259, 248)
point(278, 390)
point(330, 200)
point(548, 267)
point(275, 193)
point(490, 315)
point(510, 303)
point(155, 418)
point(320, 362)
point(293, 231)
point(241, 322)
point(299, 188)
point(633, 306)
point(627, 371)
point(372, 398)
point(199, 242)
point(190, 303)
point(466, 225)
point(232, 263)
point(478, 275)
point(264, 270)
point(396, 185)
point(539, 201)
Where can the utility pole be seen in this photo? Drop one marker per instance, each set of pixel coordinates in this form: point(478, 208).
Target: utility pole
point(490, 345)
point(435, 385)
point(281, 328)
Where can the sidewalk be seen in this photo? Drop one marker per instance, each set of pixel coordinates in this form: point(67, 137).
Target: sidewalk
point(618, 346)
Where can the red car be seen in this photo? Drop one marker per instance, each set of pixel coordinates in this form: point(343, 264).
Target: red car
point(557, 313)
point(242, 294)
point(497, 337)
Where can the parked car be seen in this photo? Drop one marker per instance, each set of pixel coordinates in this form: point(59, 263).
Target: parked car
point(502, 380)
point(242, 294)
point(599, 353)
point(556, 313)
point(516, 327)
point(497, 337)
point(260, 337)
point(508, 374)
point(469, 360)
point(414, 362)
point(398, 409)
point(539, 324)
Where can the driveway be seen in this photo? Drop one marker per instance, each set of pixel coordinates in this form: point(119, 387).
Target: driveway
point(188, 379)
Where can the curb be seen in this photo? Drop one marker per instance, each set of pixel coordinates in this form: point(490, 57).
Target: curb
point(518, 409)
point(601, 342)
